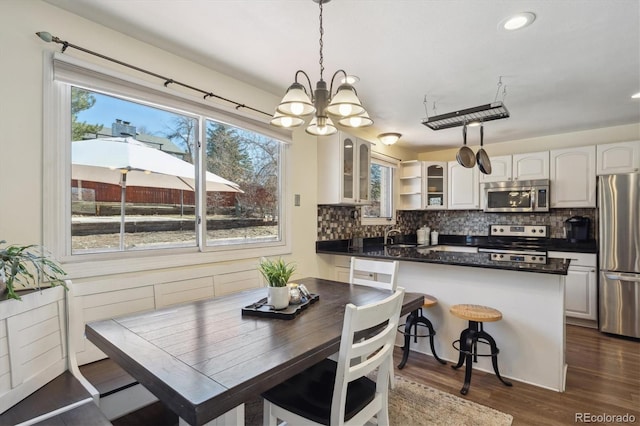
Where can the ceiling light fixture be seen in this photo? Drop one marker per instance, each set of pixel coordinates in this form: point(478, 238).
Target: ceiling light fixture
point(343, 106)
point(517, 21)
point(636, 96)
point(389, 138)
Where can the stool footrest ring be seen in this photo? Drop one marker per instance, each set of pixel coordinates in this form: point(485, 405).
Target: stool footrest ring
point(474, 353)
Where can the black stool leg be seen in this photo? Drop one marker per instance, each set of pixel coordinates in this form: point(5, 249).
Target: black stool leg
point(411, 321)
point(461, 356)
point(494, 355)
point(432, 333)
point(470, 348)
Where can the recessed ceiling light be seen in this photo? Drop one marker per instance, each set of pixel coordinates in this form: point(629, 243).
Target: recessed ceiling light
point(636, 96)
point(517, 21)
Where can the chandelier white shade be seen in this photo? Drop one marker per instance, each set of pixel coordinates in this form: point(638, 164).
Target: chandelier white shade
point(286, 121)
point(360, 120)
point(343, 106)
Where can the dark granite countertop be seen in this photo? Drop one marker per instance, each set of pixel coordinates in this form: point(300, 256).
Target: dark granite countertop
point(373, 247)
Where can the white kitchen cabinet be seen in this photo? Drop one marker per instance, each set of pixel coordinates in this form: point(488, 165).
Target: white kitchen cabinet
point(411, 179)
point(463, 187)
point(423, 185)
point(581, 300)
point(501, 169)
point(435, 185)
point(530, 166)
point(344, 164)
point(573, 177)
point(621, 157)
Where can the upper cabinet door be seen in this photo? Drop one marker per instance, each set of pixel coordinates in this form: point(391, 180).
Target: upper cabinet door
point(621, 157)
point(501, 169)
point(533, 165)
point(363, 186)
point(463, 187)
point(573, 177)
point(349, 167)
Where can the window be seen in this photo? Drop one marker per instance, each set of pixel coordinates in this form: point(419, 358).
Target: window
point(139, 179)
point(382, 208)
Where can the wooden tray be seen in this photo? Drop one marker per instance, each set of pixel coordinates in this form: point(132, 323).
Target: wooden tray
point(261, 309)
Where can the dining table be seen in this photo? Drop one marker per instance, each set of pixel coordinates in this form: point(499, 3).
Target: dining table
point(207, 357)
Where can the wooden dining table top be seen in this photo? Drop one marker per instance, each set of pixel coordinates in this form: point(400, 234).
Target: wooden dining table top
point(205, 358)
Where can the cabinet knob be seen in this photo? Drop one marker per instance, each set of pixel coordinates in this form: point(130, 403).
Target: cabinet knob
point(593, 270)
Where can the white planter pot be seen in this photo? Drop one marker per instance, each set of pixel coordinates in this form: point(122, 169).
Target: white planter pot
point(278, 297)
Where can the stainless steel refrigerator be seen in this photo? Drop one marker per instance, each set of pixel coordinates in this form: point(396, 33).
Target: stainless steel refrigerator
point(619, 284)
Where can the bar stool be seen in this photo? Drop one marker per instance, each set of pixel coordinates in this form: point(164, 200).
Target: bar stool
point(415, 319)
point(469, 338)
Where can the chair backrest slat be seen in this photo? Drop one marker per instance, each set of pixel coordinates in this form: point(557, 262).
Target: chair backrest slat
point(374, 273)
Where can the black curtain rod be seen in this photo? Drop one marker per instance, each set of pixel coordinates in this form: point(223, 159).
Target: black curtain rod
point(65, 44)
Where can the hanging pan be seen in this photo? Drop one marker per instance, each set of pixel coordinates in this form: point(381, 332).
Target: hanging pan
point(465, 156)
point(484, 164)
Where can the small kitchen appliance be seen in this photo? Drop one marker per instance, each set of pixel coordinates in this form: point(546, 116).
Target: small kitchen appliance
point(619, 284)
point(577, 228)
point(517, 243)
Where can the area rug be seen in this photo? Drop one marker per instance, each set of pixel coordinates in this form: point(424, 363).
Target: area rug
point(414, 404)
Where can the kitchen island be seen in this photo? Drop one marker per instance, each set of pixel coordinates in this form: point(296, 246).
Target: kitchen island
point(531, 335)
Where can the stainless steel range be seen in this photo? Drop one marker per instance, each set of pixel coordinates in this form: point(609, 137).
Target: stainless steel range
point(517, 243)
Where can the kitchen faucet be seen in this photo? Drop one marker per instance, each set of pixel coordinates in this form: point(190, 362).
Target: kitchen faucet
point(388, 231)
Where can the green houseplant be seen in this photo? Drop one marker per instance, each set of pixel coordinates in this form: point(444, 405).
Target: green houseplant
point(27, 266)
point(277, 274)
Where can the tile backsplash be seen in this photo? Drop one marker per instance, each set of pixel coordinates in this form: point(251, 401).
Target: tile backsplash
point(338, 222)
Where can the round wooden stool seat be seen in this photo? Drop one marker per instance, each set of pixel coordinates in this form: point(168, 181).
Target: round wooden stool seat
point(476, 313)
point(429, 301)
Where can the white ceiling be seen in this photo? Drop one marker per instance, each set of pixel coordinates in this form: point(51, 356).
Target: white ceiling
point(574, 69)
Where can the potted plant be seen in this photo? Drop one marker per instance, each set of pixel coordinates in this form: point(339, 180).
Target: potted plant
point(277, 274)
point(28, 266)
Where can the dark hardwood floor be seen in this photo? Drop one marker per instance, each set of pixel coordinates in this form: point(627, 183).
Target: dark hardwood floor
point(603, 379)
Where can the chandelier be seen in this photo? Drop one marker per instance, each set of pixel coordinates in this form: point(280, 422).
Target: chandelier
point(344, 106)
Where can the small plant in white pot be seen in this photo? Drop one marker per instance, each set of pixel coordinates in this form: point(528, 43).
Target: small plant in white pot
point(277, 274)
point(26, 267)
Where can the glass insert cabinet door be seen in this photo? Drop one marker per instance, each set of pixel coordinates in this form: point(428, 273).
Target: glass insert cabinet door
point(348, 166)
point(364, 169)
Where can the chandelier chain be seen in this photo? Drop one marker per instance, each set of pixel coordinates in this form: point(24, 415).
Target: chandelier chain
point(321, 43)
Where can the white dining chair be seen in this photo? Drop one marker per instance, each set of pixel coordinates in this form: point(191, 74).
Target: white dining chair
point(331, 393)
point(379, 274)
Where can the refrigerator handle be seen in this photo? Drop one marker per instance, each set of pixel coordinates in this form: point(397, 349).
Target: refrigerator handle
point(619, 277)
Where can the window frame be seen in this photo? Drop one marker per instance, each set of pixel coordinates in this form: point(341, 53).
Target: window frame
point(60, 71)
point(386, 161)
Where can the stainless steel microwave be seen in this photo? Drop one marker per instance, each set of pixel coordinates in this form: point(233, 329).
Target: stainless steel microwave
point(517, 196)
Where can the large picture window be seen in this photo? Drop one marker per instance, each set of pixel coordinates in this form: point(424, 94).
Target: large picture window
point(150, 173)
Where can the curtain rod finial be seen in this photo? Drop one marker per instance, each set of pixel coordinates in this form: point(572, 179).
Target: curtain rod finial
point(45, 36)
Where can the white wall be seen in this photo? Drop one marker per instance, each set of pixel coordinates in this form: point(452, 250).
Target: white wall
point(21, 122)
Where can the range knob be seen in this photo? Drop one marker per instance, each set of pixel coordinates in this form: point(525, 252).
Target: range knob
point(541, 231)
point(533, 231)
point(533, 258)
point(501, 230)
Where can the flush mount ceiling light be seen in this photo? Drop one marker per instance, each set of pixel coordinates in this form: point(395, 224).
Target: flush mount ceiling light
point(343, 106)
point(517, 21)
point(389, 138)
point(636, 96)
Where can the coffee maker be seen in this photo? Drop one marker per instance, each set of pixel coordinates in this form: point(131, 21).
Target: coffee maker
point(577, 228)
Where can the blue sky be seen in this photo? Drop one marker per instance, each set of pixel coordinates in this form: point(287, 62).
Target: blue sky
point(107, 109)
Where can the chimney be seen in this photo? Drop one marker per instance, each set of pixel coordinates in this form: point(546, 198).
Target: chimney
point(123, 128)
